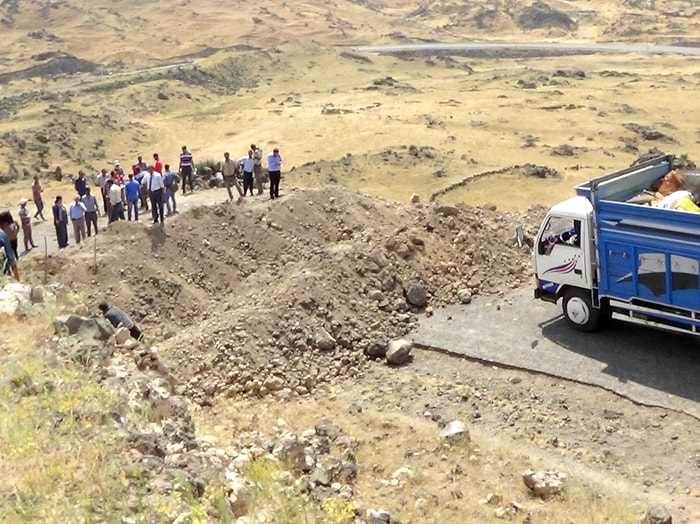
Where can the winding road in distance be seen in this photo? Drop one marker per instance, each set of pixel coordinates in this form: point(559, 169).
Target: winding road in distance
point(537, 46)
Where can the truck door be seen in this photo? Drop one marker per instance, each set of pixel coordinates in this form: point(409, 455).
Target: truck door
point(560, 257)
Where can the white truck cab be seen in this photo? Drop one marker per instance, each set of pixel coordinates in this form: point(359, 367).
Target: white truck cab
point(562, 256)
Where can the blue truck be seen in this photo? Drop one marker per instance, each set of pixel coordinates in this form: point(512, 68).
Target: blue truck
point(606, 256)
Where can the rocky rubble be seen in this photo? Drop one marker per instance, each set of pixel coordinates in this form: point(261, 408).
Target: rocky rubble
point(295, 293)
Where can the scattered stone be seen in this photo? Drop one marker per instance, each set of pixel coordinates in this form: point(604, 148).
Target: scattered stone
point(657, 515)
point(465, 296)
point(417, 294)
point(377, 347)
point(399, 352)
point(324, 341)
point(84, 328)
point(455, 430)
point(447, 211)
point(415, 198)
point(544, 483)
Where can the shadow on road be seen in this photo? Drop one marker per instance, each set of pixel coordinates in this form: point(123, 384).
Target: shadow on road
point(660, 360)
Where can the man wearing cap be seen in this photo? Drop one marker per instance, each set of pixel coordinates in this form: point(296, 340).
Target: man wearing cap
point(257, 167)
point(274, 169)
point(77, 218)
point(186, 169)
point(26, 221)
point(10, 259)
point(92, 211)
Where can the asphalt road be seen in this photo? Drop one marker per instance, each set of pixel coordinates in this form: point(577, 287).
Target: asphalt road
point(647, 366)
point(537, 46)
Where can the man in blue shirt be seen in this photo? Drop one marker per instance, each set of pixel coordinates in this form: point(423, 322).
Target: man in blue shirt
point(80, 184)
point(170, 180)
point(132, 190)
point(10, 264)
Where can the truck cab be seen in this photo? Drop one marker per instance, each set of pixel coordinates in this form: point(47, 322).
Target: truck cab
point(563, 259)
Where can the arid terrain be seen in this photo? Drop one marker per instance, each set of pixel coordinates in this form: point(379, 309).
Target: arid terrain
point(262, 394)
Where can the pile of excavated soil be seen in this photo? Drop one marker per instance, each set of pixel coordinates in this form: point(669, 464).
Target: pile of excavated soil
point(278, 296)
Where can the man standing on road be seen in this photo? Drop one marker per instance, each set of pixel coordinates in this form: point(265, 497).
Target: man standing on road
point(230, 171)
point(118, 318)
point(257, 167)
point(80, 183)
point(26, 221)
point(156, 190)
point(157, 163)
point(140, 166)
point(92, 210)
point(170, 181)
point(274, 169)
point(115, 201)
point(36, 196)
point(60, 221)
point(132, 189)
point(9, 264)
point(186, 169)
point(77, 217)
point(101, 181)
point(248, 166)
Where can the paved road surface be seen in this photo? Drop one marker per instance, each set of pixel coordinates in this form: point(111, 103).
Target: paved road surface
point(538, 46)
point(647, 366)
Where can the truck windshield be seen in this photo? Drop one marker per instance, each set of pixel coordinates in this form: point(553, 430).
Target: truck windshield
point(560, 230)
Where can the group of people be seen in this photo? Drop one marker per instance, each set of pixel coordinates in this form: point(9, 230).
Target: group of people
point(148, 186)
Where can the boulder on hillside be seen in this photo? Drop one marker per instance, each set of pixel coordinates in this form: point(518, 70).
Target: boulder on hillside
point(657, 515)
point(399, 352)
point(542, 16)
point(544, 483)
point(87, 329)
point(417, 294)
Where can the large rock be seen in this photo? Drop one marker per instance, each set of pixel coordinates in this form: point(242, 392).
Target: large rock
point(417, 294)
point(657, 515)
point(544, 483)
point(324, 341)
point(377, 347)
point(455, 431)
point(447, 211)
point(84, 328)
point(15, 299)
point(399, 352)
point(122, 335)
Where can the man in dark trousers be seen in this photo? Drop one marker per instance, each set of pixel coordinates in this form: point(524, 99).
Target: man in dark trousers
point(118, 319)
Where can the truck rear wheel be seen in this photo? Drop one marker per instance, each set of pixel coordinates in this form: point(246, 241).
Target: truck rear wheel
point(579, 310)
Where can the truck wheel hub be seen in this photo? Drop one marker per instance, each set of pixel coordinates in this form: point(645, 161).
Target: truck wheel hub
point(577, 310)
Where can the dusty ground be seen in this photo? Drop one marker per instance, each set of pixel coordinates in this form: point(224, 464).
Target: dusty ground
point(240, 299)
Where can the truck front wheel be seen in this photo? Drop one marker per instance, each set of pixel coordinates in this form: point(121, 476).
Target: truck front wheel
point(579, 310)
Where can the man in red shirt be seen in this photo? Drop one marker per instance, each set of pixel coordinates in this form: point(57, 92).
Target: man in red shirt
point(157, 163)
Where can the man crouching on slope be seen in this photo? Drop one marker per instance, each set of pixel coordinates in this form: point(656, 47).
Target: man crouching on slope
point(118, 318)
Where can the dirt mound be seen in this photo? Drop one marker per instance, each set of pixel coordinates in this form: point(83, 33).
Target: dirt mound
point(282, 295)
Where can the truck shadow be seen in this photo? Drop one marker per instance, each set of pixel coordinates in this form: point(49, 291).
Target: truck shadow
point(660, 360)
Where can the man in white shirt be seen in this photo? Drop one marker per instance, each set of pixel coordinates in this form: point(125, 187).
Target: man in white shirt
point(257, 168)
point(114, 191)
point(156, 191)
point(274, 169)
point(77, 218)
point(248, 166)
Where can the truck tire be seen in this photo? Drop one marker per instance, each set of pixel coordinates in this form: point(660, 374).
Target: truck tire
point(579, 310)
